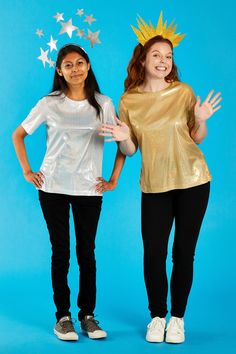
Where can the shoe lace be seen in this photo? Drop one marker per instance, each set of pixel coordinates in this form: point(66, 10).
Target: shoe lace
point(68, 325)
point(176, 324)
point(91, 324)
point(156, 324)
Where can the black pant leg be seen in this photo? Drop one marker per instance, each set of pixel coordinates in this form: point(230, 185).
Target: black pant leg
point(55, 209)
point(86, 211)
point(189, 208)
point(157, 220)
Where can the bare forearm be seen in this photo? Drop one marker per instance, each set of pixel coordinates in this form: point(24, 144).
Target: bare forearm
point(127, 147)
point(118, 165)
point(199, 132)
point(19, 145)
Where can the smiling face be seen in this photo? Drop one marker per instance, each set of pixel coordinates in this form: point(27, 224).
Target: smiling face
point(158, 62)
point(74, 68)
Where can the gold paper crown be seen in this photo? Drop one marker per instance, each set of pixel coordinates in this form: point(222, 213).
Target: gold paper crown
point(146, 32)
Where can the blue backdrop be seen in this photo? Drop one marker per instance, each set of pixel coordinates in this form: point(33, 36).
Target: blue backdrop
point(206, 59)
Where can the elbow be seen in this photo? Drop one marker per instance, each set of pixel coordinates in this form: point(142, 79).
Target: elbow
point(198, 141)
point(18, 134)
point(131, 153)
point(14, 136)
point(127, 152)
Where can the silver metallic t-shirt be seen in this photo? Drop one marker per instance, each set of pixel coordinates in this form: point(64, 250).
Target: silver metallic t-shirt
point(73, 158)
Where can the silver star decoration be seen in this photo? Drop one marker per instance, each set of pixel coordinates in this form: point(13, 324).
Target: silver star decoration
point(39, 33)
point(68, 28)
point(90, 19)
point(80, 12)
point(80, 33)
point(51, 63)
point(93, 37)
point(59, 17)
point(43, 56)
point(52, 44)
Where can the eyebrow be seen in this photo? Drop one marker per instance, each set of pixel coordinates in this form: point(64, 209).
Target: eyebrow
point(155, 50)
point(69, 61)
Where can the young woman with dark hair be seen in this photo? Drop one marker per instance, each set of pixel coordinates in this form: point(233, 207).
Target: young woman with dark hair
point(161, 116)
point(70, 177)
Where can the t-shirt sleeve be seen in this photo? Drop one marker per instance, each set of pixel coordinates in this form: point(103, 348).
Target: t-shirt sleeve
point(109, 113)
point(191, 105)
point(35, 118)
point(124, 117)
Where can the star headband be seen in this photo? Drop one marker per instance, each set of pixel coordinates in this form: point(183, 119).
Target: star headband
point(146, 32)
point(74, 44)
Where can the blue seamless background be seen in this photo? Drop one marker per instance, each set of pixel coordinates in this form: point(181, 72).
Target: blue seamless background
point(206, 59)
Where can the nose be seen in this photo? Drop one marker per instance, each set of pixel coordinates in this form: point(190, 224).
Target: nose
point(75, 68)
point(163, 59)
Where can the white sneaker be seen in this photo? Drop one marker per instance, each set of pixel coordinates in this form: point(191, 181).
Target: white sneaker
point(156, 330)
point(175, 330)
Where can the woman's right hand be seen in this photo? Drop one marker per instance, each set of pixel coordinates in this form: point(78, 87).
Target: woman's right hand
point(36, 178)
point(119, 132)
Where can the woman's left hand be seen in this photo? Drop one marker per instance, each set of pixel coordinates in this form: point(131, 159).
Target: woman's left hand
point(104, 186)
point(205, 110)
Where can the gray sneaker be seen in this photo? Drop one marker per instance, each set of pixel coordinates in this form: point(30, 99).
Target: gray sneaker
point(91, 327)
point(64, 329)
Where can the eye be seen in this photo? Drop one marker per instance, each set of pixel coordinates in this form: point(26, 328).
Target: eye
point(169, 57)
point(67, 66)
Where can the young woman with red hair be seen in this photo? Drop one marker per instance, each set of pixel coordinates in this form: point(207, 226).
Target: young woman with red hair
point(160, 116)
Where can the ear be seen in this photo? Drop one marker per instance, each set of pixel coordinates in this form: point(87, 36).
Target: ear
point(89, 66)
point(59, 72)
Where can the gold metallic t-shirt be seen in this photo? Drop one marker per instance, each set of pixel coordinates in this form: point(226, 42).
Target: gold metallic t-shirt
point(160, 124)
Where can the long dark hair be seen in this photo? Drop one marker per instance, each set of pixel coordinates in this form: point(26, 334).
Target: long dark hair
point(136, 71)
point(91, 85)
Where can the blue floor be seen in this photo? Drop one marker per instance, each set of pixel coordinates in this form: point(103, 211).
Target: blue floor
point(27, 320)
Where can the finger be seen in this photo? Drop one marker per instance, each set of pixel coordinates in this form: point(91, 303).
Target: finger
point(38, 178)
point(216, 109)
point(108, 140)
point(41, 174)
point(105, 130)
point(209, 95)
point(105, 134)
point(100, 189)
point(216, 103)
point(102, 130)
point(100, 179)
point(107, 126)
point(198, 101)
point(35, 183)
point(118, 121)
point(215, 97)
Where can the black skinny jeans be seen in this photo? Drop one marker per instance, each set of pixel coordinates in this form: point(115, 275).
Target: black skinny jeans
point(187, 207)
point(86, 212)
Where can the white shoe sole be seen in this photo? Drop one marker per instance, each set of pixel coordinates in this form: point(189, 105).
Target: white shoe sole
point(174, 340)
point(154, 340)
point(96, 334)
point(71, 336)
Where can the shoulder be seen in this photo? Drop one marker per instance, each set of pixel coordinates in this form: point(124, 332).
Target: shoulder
point(128, 95)
point(52, 99)
point(102, 99)
point(183, 87)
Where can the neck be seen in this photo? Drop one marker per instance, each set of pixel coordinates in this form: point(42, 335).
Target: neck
point(76, 93)
point(154, 85)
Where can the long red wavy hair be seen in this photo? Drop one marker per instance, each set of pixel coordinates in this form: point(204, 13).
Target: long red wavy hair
point(136, 71)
